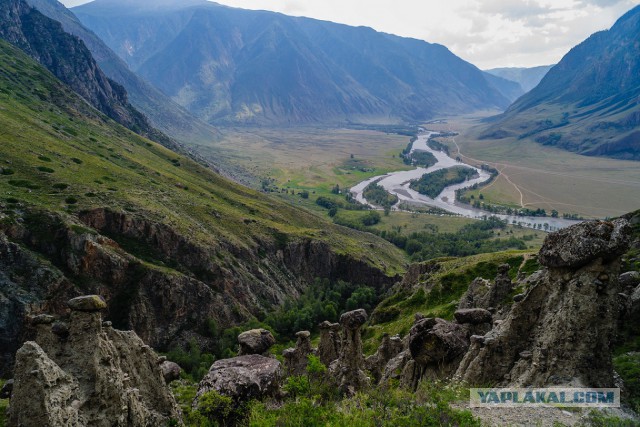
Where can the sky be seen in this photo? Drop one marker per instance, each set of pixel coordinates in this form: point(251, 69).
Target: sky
point(487, 33)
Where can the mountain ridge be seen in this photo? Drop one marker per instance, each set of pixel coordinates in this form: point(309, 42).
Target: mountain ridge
point(260, 67)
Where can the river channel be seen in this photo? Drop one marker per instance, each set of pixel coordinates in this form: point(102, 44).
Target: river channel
point(398, 183)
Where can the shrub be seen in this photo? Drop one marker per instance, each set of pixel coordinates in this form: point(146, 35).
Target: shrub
point(76, 160)
point(297, 386)
point(45, 169)
point(71, 200)
point(60, 186)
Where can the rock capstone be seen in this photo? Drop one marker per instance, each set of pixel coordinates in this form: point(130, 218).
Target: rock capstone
point(472, 316)
point(170, 371)
point(255, 341)
point(88, 303)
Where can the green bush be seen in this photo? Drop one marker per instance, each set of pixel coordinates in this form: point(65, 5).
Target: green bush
point(297, 386)
point(71, 200)
point(45, 169)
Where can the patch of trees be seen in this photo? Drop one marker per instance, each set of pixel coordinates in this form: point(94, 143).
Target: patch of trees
point(421, 158)
point(437, 145)
point(432, 184)
point(377, 195)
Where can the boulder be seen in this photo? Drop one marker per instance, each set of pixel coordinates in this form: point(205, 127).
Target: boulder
point(255, 341)
point(473, 316)
point(630, 278)
point(329, 346)
point(437, 341)
point(7, 388)
point(243, 378)
point(89, 303)
point(580, 244)
point(170, 371)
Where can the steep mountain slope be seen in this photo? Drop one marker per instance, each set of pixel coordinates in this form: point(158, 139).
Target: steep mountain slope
point(163, 113)
point(237, 66)
point(527, 78)
point(68, 59)
point(510, 89)
point(588, 103)
point(88, 206)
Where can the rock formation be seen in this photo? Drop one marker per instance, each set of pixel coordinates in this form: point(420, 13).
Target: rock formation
point(329, 346)
point(561, 331)
point(296, 359)
point(89, 376)
point(242, 378)
point(255, 341)
point(484, 294)
point(348, 369)
point(389, 348)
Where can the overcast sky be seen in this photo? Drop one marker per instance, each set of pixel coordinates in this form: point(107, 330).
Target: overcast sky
point(487, 33)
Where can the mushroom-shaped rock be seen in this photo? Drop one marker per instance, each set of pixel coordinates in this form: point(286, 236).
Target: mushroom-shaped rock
point(170, 371)
point(243, 378)
point(88, 303)
point(473, 316)
point(255, 341)
point(296, 359)
point(329, 346)
point(575, 246)
point(437, 341)
point(353, 319)
point(348, 370)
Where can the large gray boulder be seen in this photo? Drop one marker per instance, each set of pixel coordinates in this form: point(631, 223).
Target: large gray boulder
point(243, 378)
point(255, 341)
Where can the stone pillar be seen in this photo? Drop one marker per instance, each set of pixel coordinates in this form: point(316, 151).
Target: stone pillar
point(329, 347)
point(348, 370)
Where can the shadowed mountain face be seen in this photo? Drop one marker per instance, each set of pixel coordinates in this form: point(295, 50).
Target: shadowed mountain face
point(70, 61)
point(237, 66)
point(163, 113)
point(589, 102)
point(527, 78)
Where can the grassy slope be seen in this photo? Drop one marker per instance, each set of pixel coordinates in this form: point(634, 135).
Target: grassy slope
point(548, 177)
point(43, 125)
point(437, 294)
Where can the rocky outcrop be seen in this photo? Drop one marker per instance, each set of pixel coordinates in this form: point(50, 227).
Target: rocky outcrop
point(297, 359)
point(348, 369)
point(330, 342)
point(486, 295)
point(561, 331)
point(242, 378)
point(170, 371)
point(93, 376)
point(167, 307)
point(255, 341)
point(389, 348)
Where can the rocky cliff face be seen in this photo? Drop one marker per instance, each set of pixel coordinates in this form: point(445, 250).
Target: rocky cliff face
point(85, 373)
point(562, 331)
point(166, 307)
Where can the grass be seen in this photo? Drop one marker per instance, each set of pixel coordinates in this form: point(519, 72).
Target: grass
point(437, 294)
point(548, 177)
point(4, 405)
point(90, 154)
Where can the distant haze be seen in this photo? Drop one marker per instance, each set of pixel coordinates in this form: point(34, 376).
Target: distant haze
point(487, 33)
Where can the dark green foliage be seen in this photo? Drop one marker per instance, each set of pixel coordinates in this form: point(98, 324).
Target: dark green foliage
point(71, 200)
point(325, 202)
point(193, 361)
point(530, 266)
point(627, 365)
point(45, 169)
point(44, 158)
point(23, 183)
point(325, 300)
point(432, 184)
point(76, 160)
point(6, 171)
point(60, 186)
point(377, 195)
point(371, 218)
point(423, 159)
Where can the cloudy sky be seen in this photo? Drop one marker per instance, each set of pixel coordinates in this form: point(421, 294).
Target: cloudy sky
point(487, 33)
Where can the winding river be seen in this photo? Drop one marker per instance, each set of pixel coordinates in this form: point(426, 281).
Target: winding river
point(398, 183)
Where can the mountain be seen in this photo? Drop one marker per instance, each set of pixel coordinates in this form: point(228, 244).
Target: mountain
point(508, 88)
point(163, 113)
point(69, 60)
point(527, 78)
point(87, 206)
point(589, 102)
point(231, 65)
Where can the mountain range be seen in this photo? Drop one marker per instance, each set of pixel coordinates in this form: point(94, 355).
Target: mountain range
point(527, 78)
point(589, 102)
point(229, 65)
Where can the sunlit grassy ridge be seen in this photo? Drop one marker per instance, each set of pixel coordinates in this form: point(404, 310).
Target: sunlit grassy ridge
point(60, 155)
